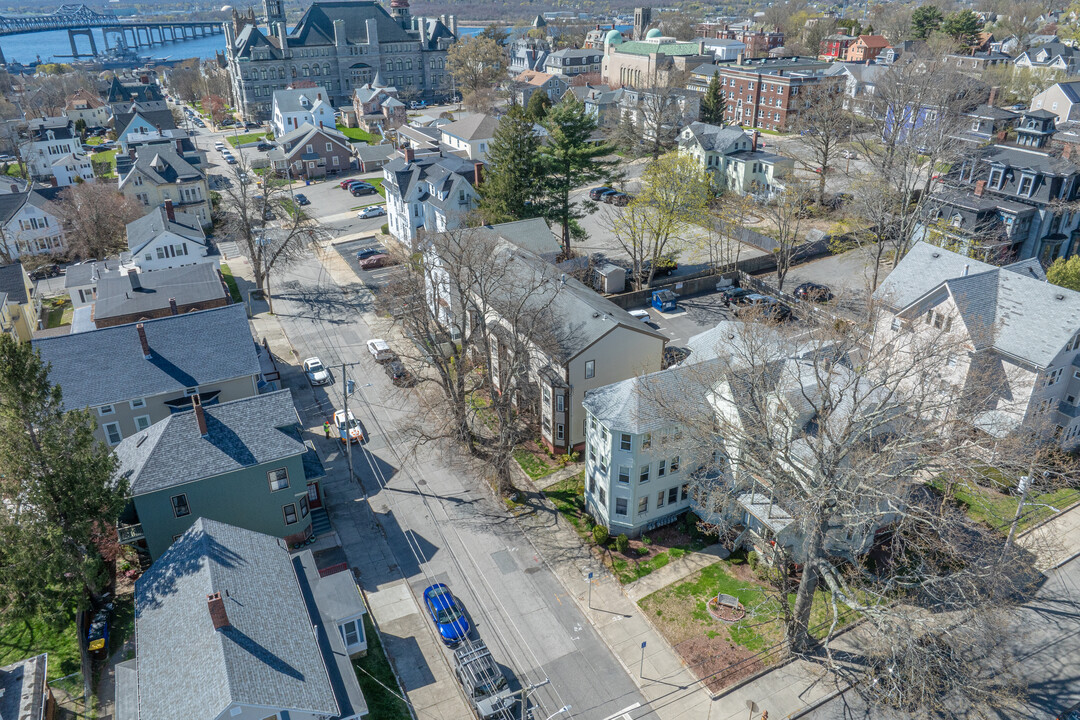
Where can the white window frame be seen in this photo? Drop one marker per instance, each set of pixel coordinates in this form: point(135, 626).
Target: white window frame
point(142, 422)
point(137, 403)
point(108, 435)
point(275, 485)
point(590, 369)
point(106, 410)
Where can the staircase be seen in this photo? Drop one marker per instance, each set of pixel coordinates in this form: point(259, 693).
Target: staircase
point(320, 522)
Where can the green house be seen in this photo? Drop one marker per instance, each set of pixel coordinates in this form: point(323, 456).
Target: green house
point(241, 462)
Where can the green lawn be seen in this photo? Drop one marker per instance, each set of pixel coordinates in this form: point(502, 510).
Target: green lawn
point(13, 170)
point(533, 466)
point(108, 156)
point(627, 570)
point(997, 509)
point(234, 290)
point(60, 313)
point(237, 140)
point(375, 676)
point(95, 140)
point(22, 640)
point(568, 497)
point(358, 135)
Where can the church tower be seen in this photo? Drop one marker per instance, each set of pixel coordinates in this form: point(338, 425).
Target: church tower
point(275, 12)
point(399, 10)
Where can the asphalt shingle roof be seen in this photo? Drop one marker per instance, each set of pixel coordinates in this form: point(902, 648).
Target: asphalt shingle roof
point(267, 656)
point(107, 366)
point(88, 273)
point(12, 284)
point(141, 292)
point(289, 101)
point(475, 127)
point(154, 223)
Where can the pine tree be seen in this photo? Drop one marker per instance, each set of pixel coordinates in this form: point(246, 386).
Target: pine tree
point(60, 496)
point(571, 159)
point(539, 104)
point(510, 190)
point(714, 104)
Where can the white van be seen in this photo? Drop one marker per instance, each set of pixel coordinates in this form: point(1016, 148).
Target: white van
point(642, 315)
point(380, 350)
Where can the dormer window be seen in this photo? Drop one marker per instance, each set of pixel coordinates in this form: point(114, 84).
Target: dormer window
point(1027, 182)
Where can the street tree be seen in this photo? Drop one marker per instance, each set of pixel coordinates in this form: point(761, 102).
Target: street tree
point(714, 103)
point(1065, 273)
point(727, 215)
point(785, 212)
point(825, 126)
point(626, 135)
point(510, 190)
point(924, 21)
point(663, 109)
point(476, 64)
point(214, 105)
point(95, 216)
point(664, 217)
point(539, 104)
point(265, 221)
point(962, 25)
point(570, 159)
point(858, 460)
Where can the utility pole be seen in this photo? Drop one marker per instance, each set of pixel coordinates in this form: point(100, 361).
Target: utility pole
point(348, 427)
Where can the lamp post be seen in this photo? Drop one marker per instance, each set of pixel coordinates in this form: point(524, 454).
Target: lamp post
point(560, 711)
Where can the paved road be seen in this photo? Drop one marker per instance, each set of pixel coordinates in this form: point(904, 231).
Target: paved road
point(441, 525)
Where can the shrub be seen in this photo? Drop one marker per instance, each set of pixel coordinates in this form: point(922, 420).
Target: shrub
point(385, 229)
point(622, 543)
point(645, 540)
point(600, 535)
point(690, 522)
point(752, 559)
point(643, 551)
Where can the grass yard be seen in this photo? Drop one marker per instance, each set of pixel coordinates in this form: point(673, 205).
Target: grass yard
point(628, 568)
point(234, 290)
point(60, 312)
point(237, 140)
point(22, 640)
point(358, 135)
point(568, 497)
point(375, 676)
point(533, 465)
point(97, 140)
point(109, 156)
point(13, 170)
point(997, 509)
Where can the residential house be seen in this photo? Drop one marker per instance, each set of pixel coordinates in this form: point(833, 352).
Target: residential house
point(24, 690)
point(122, 96)
point(179, 140)
point(1008, 201)
point(340, 45)
point(87, 106)
point(530, 81)
point(571, 62)
point(1015, 324)
point(835, 47)
point(48, 139)
point(128, 295)
point(470, 138)
point(865, 48)
point(764, 93)
point(166, 238)
point(596, 342)
point(422, 140)
point(30, 222)
point(653, 62)
point(159, 173)
point(528, 53)
point(432, 193)
point(976, 61)
point(859, 84)
point(1062, 99)
point(71, 169)
point(733, 161)
point(374, 157)
point(988, 123)
point(131, 376)
point(1051, 56)
point(301, 106)
point(378, 108)
point(758, 39)
point(310, 152)
point(81, 280)
point(601, 102)
point(141, 121)
point(229, 624)
point(241, 461)
point(672, 109)
point(22, 307)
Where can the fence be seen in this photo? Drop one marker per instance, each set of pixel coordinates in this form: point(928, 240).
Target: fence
point(801, 308)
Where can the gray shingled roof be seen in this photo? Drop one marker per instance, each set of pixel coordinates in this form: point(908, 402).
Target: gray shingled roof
point(716, 138)
point(144, 230)
point(12, 283)
point(638, 405)
point(475, 127)
point(289, 101)
point(88, 273)
point(143, 292)
point(161, 165)
point(107, 366)
point(267, 656)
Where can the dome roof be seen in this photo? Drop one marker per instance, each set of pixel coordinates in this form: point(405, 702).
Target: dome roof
point(654, 33)
point(614, 36)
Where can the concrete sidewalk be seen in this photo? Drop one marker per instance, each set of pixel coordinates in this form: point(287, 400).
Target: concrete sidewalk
point(1055, 541)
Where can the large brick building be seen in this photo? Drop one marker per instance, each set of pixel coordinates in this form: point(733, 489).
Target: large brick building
point(340, 45)
point(765, 93)
point(758, 39)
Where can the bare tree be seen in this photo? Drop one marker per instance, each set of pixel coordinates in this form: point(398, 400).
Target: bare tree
point(825, 126)
point(727, 214)
point(785, 211)
point(95, 217)
point(663, 109)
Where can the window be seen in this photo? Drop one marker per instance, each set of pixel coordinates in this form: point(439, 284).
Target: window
point(673, 495)
point(1025, 185)
point(660, 499)
point(112, 433)
point(625, 443)
point(685, 490)
point(643, 506)
point(661, 468)
point(624, 474)
point(139, 403)
point(279, 479)
point(106, 410)
point(1053, 376)
point(674, 464)
point(559, 431)
point(646, 441)
point(644, 476)
point(142, 422)
point(560, 403)
point(304, 506)
point(180, 506)
point(351, 633)
point(603, 495)
point(1073, 344)
point(590, 369)
point(290, 513)
point(329, 147)
point(620, 506)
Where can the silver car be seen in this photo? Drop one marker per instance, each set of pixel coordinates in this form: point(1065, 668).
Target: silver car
point(316, 373)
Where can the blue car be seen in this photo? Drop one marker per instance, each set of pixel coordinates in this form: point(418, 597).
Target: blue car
point(443, 607)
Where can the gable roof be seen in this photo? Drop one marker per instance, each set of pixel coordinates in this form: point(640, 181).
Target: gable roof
point(146, 229)
point(107, 366)
point(161, 165)
point(12, 283)
point(475, 127)
point(715, 138)
point(291, 101)
point(874, 41)
point(241, 433)
point(157, 119)
point(633, 406)
point(269, 655)
point(84, 99)
point(305, 132)
point(143, 292)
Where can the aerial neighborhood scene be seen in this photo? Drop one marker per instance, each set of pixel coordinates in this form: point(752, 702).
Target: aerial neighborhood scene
point(451, 360)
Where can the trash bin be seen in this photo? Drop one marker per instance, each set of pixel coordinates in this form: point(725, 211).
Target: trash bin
point(307, 182)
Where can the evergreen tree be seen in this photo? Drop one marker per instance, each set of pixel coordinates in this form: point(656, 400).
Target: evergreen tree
point(570, 159)
point(925, 20)
point(963, 25)
point(539, 104)
point(714, 104)
point(626, 135)
point(511, 189)
point(60, 496)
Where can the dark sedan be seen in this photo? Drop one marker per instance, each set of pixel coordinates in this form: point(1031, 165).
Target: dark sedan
point(369, 251)
point(596, 192)
point(301, 199)
point(814, 292)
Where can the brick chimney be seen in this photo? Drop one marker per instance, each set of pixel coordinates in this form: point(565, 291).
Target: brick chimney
point(478, 174)
point(980, 188)
point(169, 210)
point(200, 415)
point(754, 141)
point(409, 154)
point(131, 153)
point(179, 147)
point(216, 605)
point(993, 96)
point(143, 341)
point(172, 306)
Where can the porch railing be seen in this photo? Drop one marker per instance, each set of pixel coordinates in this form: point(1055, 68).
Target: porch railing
point(129, 533)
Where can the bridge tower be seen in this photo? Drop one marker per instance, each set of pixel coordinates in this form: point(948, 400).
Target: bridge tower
point(275, 12)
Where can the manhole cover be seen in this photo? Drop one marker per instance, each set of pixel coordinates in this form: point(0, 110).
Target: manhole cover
point(421, 482)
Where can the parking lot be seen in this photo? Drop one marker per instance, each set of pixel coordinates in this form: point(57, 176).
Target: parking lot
point(374, 279)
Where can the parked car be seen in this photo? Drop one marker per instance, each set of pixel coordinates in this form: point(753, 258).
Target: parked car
point(608, 196)
point(399, 374)
point(301, 199)
point(252, 126)
point(372, 211)
point(769, 307)
point(230, 160)
point(316, 373)
point(417, 105)
point(264, 147)
point(642, 315)
point(375, 261)
point(729, 294)
point(369, 251)
point(596, 192)
point(445, 612)
point(665, 265)
point(814, 292)
point(380, 350)
point(619, 199)
point(350, 428)
point(362, 189)
point(45, 271)
point(344, 184)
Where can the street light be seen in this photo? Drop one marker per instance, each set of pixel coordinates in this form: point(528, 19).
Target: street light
point(560, 711)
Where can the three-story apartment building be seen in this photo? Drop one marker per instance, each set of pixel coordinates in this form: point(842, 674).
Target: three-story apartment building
point(157, 173)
